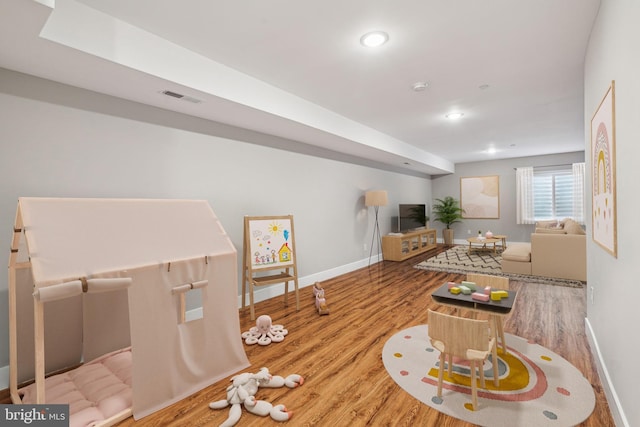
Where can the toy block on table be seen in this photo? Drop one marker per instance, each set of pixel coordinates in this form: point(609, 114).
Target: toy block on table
point(487, 290)
point(451, 285)
point(498, 295)
point(470, 285)
point(478, 296)
point(455, 290)
point(465, 289)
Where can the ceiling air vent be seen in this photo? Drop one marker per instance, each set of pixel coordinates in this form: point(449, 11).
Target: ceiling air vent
point(181, 96)
point(175, 95)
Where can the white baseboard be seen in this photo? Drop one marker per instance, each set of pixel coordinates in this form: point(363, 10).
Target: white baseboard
point(267, 292)
point(261, 294)
point(617, 412)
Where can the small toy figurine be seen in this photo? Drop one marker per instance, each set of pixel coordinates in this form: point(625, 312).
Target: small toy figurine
point(321, 302)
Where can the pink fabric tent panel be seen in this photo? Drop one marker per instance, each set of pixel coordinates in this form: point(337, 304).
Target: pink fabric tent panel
point(71, 238)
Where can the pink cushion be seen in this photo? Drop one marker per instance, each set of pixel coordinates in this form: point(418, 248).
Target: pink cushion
point(94, 391)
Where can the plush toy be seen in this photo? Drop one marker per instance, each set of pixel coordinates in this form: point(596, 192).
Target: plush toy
point(243, 389)
point(264, 333)
point(321, 302)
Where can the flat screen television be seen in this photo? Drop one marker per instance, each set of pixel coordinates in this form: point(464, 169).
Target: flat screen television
point(411, 217)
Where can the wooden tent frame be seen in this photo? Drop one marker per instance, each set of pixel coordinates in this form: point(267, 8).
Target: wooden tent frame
point(251, 274)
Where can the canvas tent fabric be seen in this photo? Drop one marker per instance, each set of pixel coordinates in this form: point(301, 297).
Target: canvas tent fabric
point(138, 251)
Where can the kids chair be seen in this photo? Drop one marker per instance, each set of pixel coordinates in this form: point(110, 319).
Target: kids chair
point(463, 338)
point(496, 282)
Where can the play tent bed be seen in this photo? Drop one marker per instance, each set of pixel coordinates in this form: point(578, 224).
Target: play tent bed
point(109, 278)
point(98, 392)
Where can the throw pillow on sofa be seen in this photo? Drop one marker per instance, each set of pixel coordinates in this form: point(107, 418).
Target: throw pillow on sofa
point(572, 227)
point(548, 224)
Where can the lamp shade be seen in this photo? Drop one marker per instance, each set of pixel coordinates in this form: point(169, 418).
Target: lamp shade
point(375, 198)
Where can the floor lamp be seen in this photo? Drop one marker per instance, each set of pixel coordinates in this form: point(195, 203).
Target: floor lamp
point(376, 199)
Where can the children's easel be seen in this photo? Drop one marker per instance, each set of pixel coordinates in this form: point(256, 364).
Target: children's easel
point(269, 245)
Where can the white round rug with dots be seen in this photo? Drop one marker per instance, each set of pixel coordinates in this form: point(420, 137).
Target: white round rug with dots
point(537, 387)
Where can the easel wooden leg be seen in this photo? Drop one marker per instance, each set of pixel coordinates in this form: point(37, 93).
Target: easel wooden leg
point(286, 292)
point(244, 290)
point(253, 313)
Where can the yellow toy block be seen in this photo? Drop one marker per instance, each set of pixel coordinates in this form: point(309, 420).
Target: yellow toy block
point(498, 295)
point(455, 290)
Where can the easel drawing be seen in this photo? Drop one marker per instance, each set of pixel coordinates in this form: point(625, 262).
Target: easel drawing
point(269, 244)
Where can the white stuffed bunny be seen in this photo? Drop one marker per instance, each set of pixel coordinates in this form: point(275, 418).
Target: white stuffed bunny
point(243, 389)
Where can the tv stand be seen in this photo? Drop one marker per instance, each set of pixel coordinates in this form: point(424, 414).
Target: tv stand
point(400, 247)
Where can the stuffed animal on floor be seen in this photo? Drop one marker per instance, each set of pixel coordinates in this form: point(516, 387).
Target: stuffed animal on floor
point(243, 389)
point(321, 302)
point(264, 333)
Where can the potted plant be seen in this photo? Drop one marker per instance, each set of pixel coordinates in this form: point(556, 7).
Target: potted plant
point(447, 211)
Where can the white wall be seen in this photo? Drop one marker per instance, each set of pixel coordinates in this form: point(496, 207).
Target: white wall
point(60, 141)
point(613, 315)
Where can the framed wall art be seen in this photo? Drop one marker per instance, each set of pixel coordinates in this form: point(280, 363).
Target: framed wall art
point(603, 174)
point(480, 197)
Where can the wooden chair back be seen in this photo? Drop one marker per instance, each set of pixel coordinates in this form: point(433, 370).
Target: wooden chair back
point(458, 335)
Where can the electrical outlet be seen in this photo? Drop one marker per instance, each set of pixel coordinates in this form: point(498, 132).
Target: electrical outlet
point(364, 247)
point(468, 231)
point(593, 291)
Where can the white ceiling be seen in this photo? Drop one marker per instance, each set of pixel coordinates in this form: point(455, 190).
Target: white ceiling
point(296, 70)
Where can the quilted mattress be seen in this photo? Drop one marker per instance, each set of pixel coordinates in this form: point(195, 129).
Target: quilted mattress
point(95, 391)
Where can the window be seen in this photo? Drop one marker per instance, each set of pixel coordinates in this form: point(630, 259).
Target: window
point(552, 194)
point(545, 193)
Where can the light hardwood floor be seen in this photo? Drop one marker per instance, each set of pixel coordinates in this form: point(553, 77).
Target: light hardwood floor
point(339, 354)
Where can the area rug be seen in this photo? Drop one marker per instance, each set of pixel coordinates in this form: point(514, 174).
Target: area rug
point(458, 260)
point(537, 387)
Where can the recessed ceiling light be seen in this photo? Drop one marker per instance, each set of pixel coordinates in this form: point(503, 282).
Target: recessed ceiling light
point(419, 86)
point(374, 39)
point(454, 116)
point(492, 150)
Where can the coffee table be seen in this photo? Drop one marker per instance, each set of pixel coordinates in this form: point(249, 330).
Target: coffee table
point(502, 237)
point(501, 307)
point(484, 242)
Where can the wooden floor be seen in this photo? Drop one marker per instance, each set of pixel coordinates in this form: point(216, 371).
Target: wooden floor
point(339, 355)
